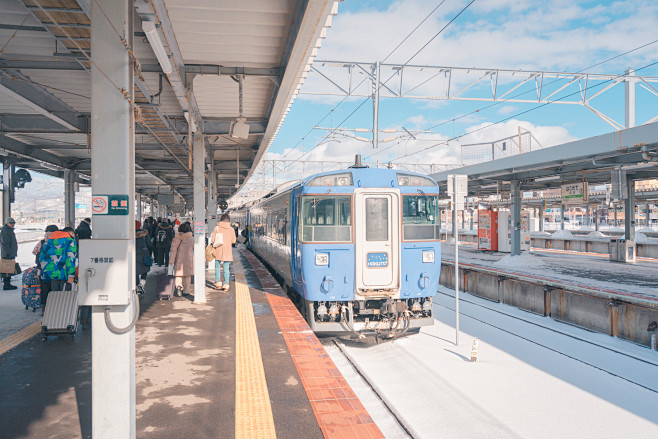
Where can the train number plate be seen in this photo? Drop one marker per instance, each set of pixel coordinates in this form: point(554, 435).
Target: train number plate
point(377, 260)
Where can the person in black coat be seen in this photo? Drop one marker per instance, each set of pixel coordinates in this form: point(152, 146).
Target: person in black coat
point(142, 249)
point(8, 250)
point(84, 230)
point(164, 234)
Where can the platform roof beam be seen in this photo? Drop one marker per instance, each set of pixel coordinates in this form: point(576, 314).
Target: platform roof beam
point(16, 86)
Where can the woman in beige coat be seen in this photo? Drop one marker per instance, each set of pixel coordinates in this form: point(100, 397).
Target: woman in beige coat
point(181, 257)
point(223, 251)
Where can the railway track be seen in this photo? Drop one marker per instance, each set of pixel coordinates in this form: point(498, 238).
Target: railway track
point(553, 330)
point(404, 430)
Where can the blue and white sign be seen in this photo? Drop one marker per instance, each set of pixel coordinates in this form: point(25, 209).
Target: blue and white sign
point(377, 260)
point(80, 205)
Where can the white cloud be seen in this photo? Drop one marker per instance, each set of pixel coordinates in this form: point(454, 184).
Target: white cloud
point(507, 109)
point(557, 35)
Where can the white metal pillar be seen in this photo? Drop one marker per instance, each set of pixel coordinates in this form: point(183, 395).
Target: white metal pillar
point(541, 217)
point(562, 212)
point(375, 107)
point(199, 159)
point(515, 192)
point(647, 215)
point(69, 198)
point(152, 211)
point(629, 209)
point(138, 212)
point(113, 172)
point(596, 217)
point(629, 94)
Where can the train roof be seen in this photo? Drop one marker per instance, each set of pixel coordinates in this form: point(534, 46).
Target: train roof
point(346, 180)
point(371, 177)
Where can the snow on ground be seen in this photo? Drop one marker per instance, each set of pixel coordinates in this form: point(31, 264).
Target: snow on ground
point(597, 235)
point(13, 316)
point(562, 234)
point(539, 384)
point(572, 267)
point(375, 407)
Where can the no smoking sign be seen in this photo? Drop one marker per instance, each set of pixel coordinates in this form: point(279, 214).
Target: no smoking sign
point(110, 205)
point(99, 205)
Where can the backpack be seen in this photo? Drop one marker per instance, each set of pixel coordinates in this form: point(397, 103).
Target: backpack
point(161, 237)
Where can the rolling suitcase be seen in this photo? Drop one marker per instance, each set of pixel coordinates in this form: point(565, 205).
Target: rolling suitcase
point(165, 287)
point(61, 314)
point(31, 289)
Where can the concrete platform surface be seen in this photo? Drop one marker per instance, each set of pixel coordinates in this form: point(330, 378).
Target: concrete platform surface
point(198, 368)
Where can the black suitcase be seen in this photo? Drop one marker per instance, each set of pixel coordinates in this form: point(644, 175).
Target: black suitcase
point(165, 287)
point(61, 314)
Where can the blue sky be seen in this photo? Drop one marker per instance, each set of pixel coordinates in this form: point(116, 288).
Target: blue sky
point(522, 34)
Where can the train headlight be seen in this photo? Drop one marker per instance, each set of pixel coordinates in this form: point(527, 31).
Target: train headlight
point(323, 258)
point(428, 257)
point(427, 305)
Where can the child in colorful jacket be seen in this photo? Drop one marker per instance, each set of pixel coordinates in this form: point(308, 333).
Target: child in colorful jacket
point(58, 259)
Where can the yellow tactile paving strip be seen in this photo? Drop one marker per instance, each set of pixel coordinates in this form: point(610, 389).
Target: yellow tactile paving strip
point(253, 412)
point(14, 340)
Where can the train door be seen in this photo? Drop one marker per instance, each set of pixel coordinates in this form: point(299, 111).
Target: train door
point(377, 239)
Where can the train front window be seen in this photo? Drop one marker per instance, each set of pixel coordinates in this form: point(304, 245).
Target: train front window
point(420, 218)
point(326, 219)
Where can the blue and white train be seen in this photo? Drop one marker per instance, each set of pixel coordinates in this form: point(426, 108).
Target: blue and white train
point(359, 249)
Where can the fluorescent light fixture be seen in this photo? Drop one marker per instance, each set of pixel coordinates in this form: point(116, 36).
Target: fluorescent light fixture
point(157, 46)
point(549, 178)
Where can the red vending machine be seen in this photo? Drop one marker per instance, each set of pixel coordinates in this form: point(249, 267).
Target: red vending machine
point(487, 230)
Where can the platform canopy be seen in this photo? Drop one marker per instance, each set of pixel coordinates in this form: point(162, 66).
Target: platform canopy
point(635, 150)
point(191, 55)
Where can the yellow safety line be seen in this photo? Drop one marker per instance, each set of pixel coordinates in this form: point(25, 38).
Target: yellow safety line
point(18, 338)
point(253, 412)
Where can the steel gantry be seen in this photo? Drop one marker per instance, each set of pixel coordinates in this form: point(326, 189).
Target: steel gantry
point(426, 82)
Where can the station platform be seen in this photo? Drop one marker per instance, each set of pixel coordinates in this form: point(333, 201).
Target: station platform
point(584, 269)
point(244, 365)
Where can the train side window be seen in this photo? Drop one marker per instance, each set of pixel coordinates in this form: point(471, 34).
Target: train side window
point(420, 219)
point(326, 219)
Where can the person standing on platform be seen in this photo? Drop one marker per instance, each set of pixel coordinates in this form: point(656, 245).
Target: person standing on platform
point(223, 238)
point(58, 259)
point(143, 260)
point(84, 230)
point(9, 250)
point(164, 233)
point(182, 259)
point(45, 285)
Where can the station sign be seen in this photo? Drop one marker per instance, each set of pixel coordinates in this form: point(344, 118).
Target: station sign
point(80, 205)
point(575, 193)
point(458, 189)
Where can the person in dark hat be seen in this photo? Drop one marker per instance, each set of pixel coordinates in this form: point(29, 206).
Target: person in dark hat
point(8, 250)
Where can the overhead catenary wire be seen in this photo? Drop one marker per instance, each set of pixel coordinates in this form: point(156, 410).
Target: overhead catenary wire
point(394, 74)
point(364, 79)
point(505, 100)
point(445, 142)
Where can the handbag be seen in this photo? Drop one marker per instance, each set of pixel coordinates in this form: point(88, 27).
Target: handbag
point(210, 253)
point(17, 269)
point(170, 270)
point(7, 266)
point(147, 260)
point(219, 239)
